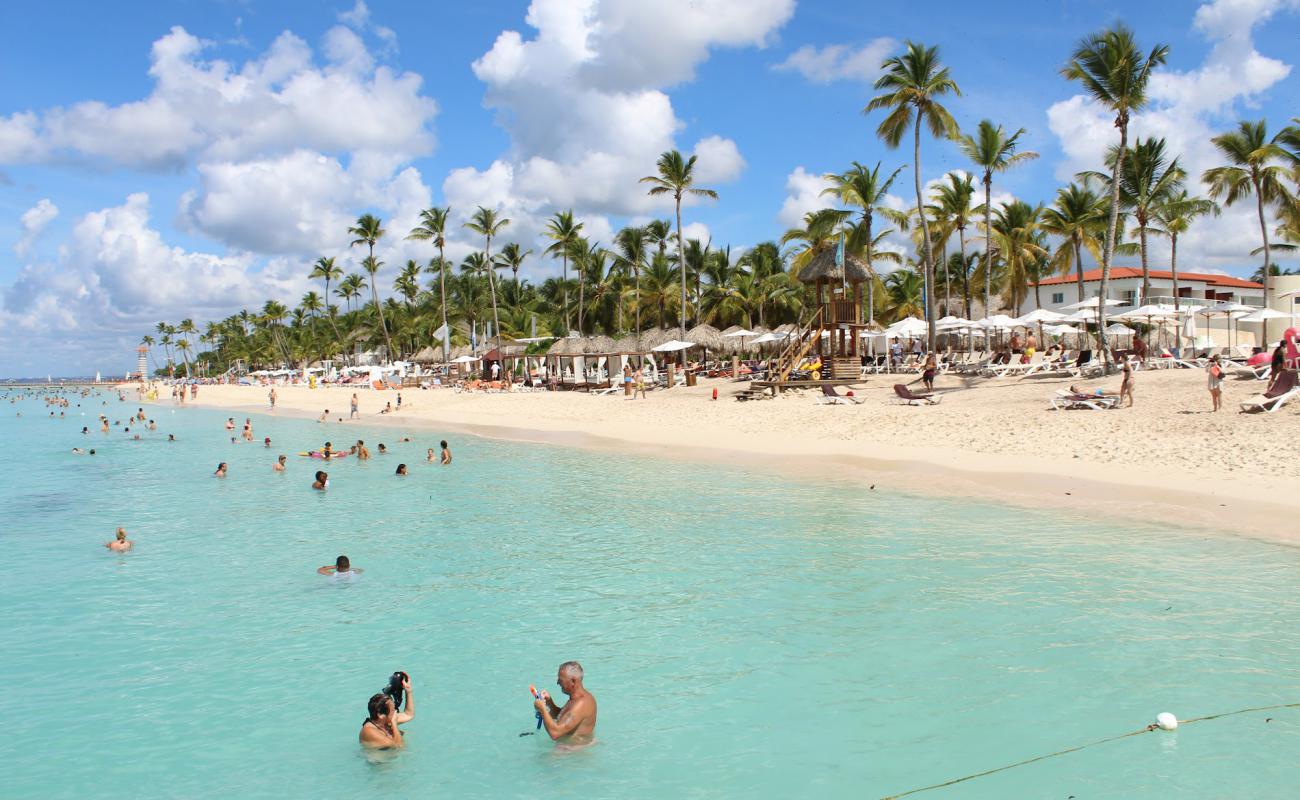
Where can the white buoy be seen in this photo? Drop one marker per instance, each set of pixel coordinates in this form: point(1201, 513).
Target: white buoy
point(1166, 721)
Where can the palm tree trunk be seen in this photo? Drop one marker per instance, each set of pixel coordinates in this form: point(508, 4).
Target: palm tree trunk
point(582, 296)
point(947, 281)
point(1268, 281)
point(1108, 248)
point(988, 241)
point(1173, 264)
point(1146, 271)
point(564, 282)
point(965, 281)
point(636, 274)
point(927, 256)
point(442, 284)
point(1078, 264)
point(681, 260)
point(871, 270)
point(492, 285)
point(374, 291)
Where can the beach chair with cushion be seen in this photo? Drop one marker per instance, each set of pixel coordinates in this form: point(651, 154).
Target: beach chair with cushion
point(907, 397)
point(1284, 389)
point(830, 397)
point(1065, 400)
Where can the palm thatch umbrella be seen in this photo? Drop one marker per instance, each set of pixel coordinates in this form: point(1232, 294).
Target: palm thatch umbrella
point(657, 336)
point(598, 344)
point(708, 336)
point(566, 346)
point(426, 356)
point(628, 344)
point(463, 350)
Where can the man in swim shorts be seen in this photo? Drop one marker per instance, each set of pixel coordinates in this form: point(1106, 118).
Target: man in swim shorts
point(446, 452)
point(353, 413)
point(121, 544)
point(575, 723)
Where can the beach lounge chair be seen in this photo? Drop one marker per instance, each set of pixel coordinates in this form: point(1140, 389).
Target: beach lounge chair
point(908, 398)
point(1065, 400)
point(830, 397)
point(1284, 389)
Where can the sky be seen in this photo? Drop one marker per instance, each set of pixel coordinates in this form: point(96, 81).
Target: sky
point(189, 158)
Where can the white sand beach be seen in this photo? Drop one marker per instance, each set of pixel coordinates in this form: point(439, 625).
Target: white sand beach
point(1168, 458)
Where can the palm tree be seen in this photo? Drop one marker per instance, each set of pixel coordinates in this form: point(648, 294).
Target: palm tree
point(433, 228)
point(631, 243)
point(185, 328)
point(1015, 229)
point(478, 266)
point(1078, 216)
point(820, 232)
point(487, 224)
point(659, 232)
point(905, 289)
point(913, 82)
point(349, 288)
point(368, 231)
point(1175, 215)
point(1256, 165)
point(992, 150)
point(952, 207)
point(512, 257)
point(563, 231)
point(407, 283)
point(864, 189)
point(1115, 75)
point(324, 268)
point(676, 178)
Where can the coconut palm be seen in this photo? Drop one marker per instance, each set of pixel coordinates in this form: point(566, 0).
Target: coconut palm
point(1078, 216)
point(1116, 75)
point(512, 258)
point(905, 289)
point(676, 177)
point(631, 243)
point(1173, 216)
point(433, 228)
point(864, 189)
point(952, 208)
point(1015, 235)
point(659, 232)
point(992, 150)
point(914, 81)
point(487, 224)
point(1257, 165)
point(563, 231)
point(820, 232)
point(185, 328)
point(368, 230)
point(407, 283)
point(324, 269)
point(350, 288)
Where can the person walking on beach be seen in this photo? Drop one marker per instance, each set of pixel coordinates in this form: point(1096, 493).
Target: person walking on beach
point(639, 391)
point(272, 396)
point(1214, 380)
point(927, 376)
point(354, 414)
point(1126, 385)
point(575, 723)
point(446, 452)
point(121, 544)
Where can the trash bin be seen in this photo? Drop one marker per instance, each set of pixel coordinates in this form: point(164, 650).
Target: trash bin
point(690, 378)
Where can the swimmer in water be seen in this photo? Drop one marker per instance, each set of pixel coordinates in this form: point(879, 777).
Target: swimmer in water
point(383, 451)
point(360, 450)
point(230, 423)
point(322, 481)
point(575, 723)
point(77, 451)
point(278, 466)
point(431, 457)
point(121, 544)
point(401, 469)
point(266, 442)
point(171, 437)
point(324, 416)
point(380, 731)
point(446, 452)
point(221, 470)
point(341, 566)
point(328, 451)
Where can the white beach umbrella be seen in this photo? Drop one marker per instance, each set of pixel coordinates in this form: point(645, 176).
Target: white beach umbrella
point(741, 332)
point(909, 326)
point(1092, 302)
point(1039, 315)
point(1118, 329)
point(673, 345)
point(1262, 314)
point(464, 359)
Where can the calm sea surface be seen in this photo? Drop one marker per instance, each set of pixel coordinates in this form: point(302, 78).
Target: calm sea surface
point(746, 636)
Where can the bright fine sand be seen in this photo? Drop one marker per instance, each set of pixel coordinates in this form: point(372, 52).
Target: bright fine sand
point(1168, 458)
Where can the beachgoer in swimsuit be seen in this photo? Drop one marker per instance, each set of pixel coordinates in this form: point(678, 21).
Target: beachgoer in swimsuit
point(322, 481)
point(272, 396)
point(266, 442)
point(446, 452)
point(928, 375)
point(1214, 380)
point(354, 413)
point(279, 464)
point(230, 423)
point(401, 469)
point(221, 470)
point(121, 544)
point(380, 731)
point(383, 451)
point(1126, 385)
point(324, 416)
point(360, 450)
point(341, 566)
point(431, 458)
point(575, 723)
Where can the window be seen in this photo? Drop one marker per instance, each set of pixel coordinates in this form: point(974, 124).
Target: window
point(1058, 297)
point(1129, 297)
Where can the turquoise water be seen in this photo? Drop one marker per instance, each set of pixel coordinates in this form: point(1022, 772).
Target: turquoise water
point(745, 635)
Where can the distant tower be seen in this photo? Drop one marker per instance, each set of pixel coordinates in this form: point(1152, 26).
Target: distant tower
point(142, 362)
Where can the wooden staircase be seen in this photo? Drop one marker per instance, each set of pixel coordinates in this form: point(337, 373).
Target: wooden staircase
point(804, 339)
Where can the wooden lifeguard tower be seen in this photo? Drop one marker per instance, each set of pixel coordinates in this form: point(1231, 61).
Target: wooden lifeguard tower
point(834, 329)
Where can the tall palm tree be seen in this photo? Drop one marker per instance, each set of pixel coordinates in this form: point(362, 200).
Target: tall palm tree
point(487, 224)
point(992, 150)
point(631, 243)
point(905, 289)
point(512, 258)
point(368, 230)
point(676, 177)
point(350, 288)
point(1116, 75)
point(1174, 216)
point(433, 228)
point(952, 205)
point(1257, 165)
point(324, 269)
point(1078, 216)
point(659, 232)
point(864, 189)
point(563, 231)
point(913, 82)
point(1015, 229)
point(185, 328)
point(407, 283)
point(820, 232)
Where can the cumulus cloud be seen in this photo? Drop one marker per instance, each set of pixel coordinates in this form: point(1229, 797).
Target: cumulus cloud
point(839, 62)
point(210, 109)
point(33, 222)
point(1187, 109)
point(803, 193)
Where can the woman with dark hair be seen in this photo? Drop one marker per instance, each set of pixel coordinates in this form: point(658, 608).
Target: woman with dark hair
point(221, 470)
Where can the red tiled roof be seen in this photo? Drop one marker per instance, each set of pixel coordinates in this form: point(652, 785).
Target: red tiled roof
point(1135, 272)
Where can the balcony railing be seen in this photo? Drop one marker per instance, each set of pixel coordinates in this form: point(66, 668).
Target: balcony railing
point(1200, 302)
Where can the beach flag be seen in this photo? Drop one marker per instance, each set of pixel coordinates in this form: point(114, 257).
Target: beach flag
point(441, 333)
point(839, 262)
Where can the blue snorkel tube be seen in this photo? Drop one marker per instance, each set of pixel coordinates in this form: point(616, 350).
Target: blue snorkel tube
point(537, 714)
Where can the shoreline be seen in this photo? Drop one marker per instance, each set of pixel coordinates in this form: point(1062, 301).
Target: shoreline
point(1219, 502)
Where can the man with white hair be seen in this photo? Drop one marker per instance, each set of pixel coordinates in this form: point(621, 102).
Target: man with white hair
point(576, 722)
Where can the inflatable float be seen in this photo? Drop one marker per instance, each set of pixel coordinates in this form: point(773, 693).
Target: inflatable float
point(319, 454)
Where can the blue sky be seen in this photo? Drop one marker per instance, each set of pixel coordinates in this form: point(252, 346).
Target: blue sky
point(191, 158)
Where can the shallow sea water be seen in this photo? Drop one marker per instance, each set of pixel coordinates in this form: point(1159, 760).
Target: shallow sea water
point(746, 635)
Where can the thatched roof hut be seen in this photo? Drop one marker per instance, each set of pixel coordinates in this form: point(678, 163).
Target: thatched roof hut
point(657, 336)
point(823, 267)
point(427, 356)
point(628, 344)
point(788, 328)
point(463, 350)
point(708, 336)
point(598, 344)
point(569, 345)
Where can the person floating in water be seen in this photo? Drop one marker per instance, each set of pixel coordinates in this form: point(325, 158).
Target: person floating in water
point(322, 481)
point(230, 423)
point(341, 566)
point(401, 469)
point(221, 470)
point(266, 442)
point(431, 457)
point(446, 452)
point(278, 466)
point(575, 723)
point(121, 544)
point(383, 450)
point(380, 731)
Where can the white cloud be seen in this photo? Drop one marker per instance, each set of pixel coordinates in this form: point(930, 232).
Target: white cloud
point(803, 194)
point(836, 62)
point(719, 160)
point(210, 109)
point(33, 222)
point(1187, 109)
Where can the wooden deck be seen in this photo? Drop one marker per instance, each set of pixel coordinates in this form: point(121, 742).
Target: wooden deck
point(781, 386)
